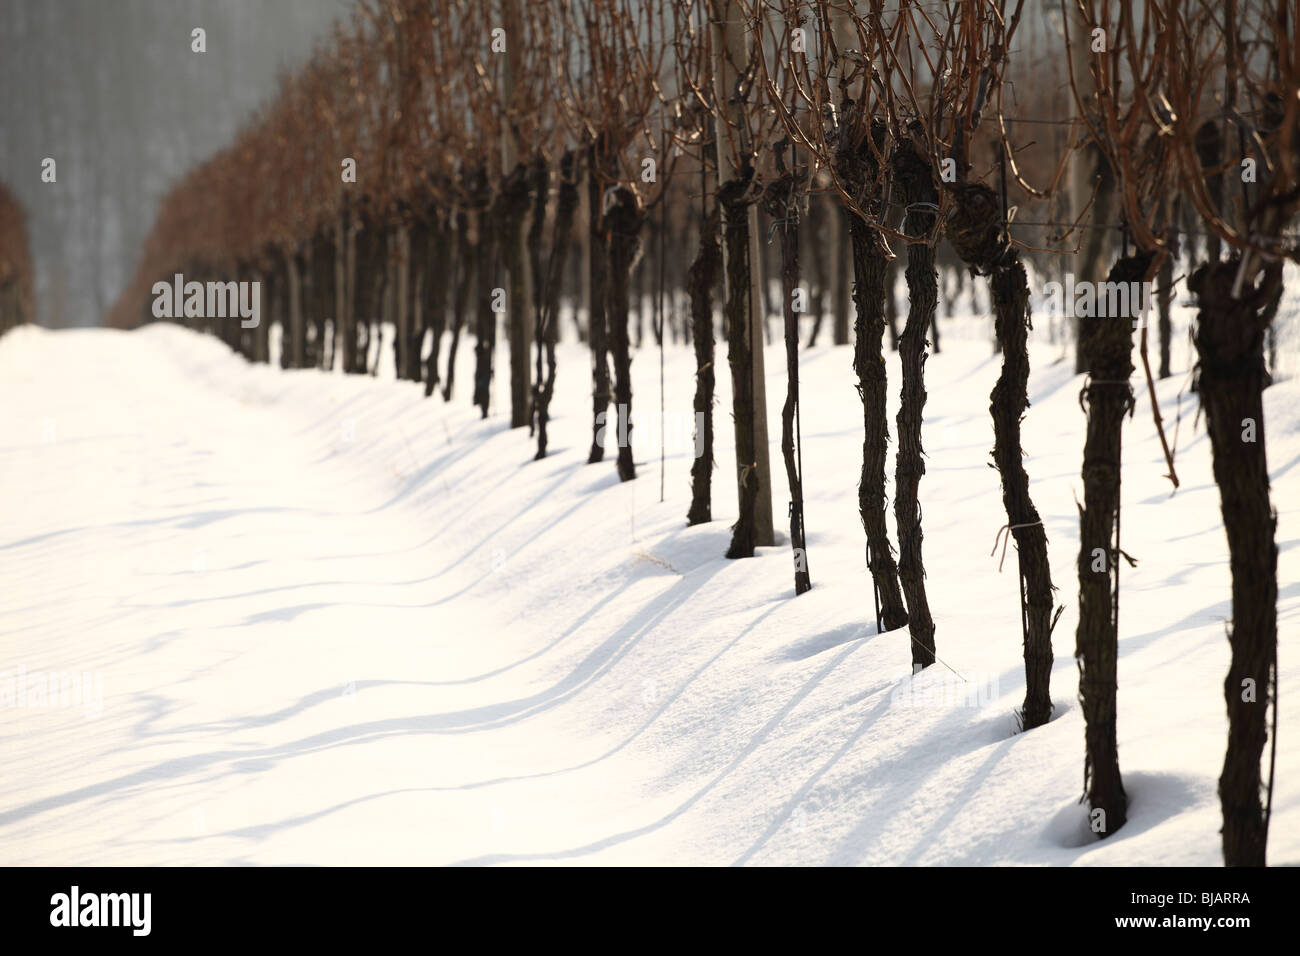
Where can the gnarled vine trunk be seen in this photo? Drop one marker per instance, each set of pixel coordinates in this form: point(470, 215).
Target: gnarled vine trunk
point(433, 297)
point(857, 165)
point(869, 267)
point(735, 197)
point(1106, 344)
point(324, 298)
point(368, 288)
point(781, 201)
point(466, 266)
point(596, 301)
point(1230, 347)
point(913, 174)
point(549, 316)
point(485, 339)
point(974, 228)
point(622, 228)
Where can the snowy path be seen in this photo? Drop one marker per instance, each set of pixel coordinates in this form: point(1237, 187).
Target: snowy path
point(333, 622)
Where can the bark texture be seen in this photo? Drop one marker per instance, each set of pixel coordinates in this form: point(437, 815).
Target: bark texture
point(549, 316)
point(869, 266)
point(913, 177)
point(622, 226)
point(596, 292)
point(1232, 377)
point(735, 197)
point(974, 229)
point(781, 201)
point(1106, 343)
point(857, 164)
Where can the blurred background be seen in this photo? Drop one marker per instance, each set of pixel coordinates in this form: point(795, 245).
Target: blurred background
point(112, 91)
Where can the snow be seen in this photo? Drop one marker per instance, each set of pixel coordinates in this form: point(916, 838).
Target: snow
point(333, 622)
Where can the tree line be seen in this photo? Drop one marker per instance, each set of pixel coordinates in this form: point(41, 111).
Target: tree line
point(452, 168)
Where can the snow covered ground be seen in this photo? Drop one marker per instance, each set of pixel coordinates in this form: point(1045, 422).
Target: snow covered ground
point(324, 620)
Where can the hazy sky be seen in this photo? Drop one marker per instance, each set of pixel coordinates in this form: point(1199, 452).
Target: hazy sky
point(111, 90)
